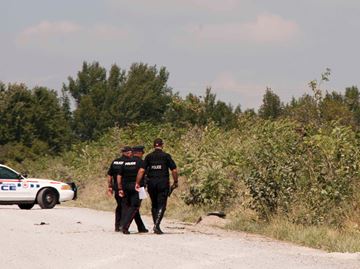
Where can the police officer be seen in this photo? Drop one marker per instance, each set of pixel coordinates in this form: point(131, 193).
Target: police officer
point(126, 180)
point(156, 166)
point(112, 184)
point(138, 153)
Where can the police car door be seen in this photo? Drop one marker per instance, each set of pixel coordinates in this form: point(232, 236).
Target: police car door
point(10, 185)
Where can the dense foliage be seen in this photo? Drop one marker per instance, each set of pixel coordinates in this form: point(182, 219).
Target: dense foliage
point(32, 122)
point(273, 168)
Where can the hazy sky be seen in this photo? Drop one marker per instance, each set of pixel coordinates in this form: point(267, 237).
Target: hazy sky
point(238, 47)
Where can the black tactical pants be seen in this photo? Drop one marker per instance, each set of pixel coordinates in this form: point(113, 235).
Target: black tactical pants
point(131, 205)
point(158, 189)
point(118, 210)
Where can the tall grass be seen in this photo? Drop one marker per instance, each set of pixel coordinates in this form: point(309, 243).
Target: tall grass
point(322, 237)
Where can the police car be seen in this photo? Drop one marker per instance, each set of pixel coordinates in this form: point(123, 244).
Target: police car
point(26, 192)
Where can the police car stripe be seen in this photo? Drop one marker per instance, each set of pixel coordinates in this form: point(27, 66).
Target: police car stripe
point(9, 180)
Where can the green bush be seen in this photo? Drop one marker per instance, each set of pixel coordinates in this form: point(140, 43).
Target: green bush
point(330, 171)
point(271, 162)
point(209, 168)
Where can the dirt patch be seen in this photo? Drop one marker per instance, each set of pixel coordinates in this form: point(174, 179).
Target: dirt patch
point(213, 221)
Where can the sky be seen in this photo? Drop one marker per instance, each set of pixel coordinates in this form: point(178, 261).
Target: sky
point(236, 47)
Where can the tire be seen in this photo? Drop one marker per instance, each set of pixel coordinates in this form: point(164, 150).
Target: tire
point(25, 206)
point(47, 198)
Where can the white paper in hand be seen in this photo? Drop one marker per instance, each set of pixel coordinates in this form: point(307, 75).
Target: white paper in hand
point(142, 193)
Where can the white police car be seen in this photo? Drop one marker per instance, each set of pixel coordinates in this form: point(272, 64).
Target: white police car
point(26, 192)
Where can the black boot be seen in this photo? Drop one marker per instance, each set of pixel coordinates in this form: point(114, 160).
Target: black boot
point(159, 215)
point(125, 231)
point(157, 230)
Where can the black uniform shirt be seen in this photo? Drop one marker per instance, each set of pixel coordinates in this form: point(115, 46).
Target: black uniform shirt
point(130, 168)
point(158, 163)
point(114, 169)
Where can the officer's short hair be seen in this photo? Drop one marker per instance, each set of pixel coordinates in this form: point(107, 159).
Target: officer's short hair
point(126, 149)
point(138, 149)
point(158, 142)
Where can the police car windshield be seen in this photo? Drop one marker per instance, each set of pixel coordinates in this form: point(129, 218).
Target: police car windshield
point(8, 174)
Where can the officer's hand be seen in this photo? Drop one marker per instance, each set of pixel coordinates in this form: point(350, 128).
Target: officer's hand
point(109, 191)
point(172, 188)
point(137, 187)
point(121, 193)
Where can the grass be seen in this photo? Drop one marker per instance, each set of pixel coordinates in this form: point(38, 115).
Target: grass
point(321, 237)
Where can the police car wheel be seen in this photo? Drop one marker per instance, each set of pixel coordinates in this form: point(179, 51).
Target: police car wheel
point(25, 206)
point(47, 198)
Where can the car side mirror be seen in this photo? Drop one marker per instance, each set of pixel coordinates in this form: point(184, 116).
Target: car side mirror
point(23, 176)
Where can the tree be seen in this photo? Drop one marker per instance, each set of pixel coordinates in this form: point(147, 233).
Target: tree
point(141, 94)
point(50, 121)
point(17, 116)
point(91, 75)
point(2, 86)
point(303, 109)
point(334, 108)
point(91, 92)
point(145, 95)
point(237, 110)
point(189, 110)
point(197, 110)
point(315, 86)
point(352, 99)
point(271, 107)
point(33, 119)
point(249, 112)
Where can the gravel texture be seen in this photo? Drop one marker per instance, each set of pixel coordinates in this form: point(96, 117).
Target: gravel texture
point(66, 237)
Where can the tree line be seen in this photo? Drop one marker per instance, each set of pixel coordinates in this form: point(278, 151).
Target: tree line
point(38, 121)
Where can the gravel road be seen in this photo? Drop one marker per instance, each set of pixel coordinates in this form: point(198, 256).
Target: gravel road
point(84, 238)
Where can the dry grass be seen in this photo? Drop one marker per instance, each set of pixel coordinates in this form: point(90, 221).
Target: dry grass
point(322, 237)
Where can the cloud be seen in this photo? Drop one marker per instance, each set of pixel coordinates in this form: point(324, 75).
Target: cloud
point(176, 5)
point(229, 88)
point(109, 32)
point(227, 82)
point(67, 36)
point(265, 29)
point(211, 5)
point(46, 29)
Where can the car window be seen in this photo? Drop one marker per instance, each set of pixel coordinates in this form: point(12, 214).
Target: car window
point(7, 174)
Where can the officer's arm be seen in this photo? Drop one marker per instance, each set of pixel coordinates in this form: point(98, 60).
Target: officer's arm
point(175, 176)
point(172, 165)
point(119, 182)
point(139, 176)
point(109, 184)
point(141, 172)
point(109, 180)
